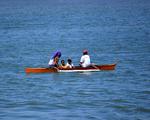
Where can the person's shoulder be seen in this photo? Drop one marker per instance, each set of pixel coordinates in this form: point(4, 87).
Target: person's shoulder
point(67, 64)
point(87, 55)
point(62, 66)
point(84, 55)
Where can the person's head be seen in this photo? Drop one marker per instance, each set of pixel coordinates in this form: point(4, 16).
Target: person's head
point(85, 52)
point(57, 54)
point(62, 62)
point(69, 61)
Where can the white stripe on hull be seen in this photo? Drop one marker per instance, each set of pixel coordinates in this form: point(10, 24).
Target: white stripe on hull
point(91, 70)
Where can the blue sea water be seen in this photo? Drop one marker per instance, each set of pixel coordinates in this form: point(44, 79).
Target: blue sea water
point(113, 31)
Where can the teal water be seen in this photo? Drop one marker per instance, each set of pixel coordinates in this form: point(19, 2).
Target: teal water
point(112, 31)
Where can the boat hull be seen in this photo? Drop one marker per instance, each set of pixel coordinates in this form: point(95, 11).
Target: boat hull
point(93, 68)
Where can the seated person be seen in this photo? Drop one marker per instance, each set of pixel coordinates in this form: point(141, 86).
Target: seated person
point(63, 65)
point(69, 63)
point(85, 59)
point(53, 62)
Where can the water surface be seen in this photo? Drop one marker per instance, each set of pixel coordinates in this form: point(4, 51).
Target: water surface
point(112, 31)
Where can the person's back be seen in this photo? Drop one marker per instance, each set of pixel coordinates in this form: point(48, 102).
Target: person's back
point(85, 59)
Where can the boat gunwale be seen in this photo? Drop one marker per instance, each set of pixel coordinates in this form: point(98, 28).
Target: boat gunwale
point(75, 69)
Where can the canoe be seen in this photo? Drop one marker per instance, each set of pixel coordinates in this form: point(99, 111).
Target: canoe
point(92, 68)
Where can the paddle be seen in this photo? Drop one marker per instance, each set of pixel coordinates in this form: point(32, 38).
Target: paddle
point(56, 69)
point(94, 66)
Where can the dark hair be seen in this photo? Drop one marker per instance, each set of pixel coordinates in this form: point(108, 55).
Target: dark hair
point(85, 53)
point(69, 60)
point(62, 60)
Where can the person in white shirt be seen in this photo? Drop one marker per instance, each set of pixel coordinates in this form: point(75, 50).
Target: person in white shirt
point(85, 59)
point(69, 64)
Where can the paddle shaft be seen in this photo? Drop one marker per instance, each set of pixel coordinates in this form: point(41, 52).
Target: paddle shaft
point(94, 66)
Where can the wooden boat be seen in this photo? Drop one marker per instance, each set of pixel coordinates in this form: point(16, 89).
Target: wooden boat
point(75, 69)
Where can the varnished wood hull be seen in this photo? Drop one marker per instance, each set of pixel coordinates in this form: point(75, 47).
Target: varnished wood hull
point(75, 69)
